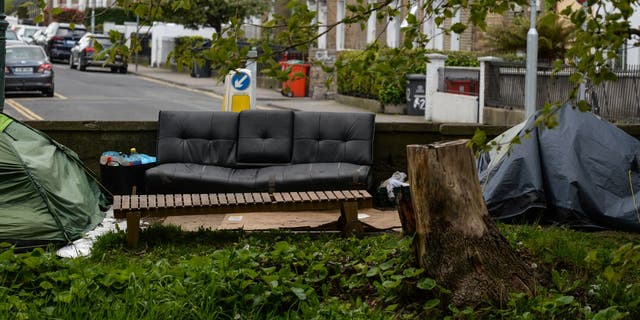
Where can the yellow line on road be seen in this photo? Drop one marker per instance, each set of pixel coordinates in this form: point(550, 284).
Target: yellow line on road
point(210, 94)
point(60, 96)
point(30, 115)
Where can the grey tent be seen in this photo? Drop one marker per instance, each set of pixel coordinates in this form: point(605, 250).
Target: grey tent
point(46, 193)
point(583, 173)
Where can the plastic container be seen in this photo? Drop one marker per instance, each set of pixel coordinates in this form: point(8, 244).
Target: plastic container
point(296, 86)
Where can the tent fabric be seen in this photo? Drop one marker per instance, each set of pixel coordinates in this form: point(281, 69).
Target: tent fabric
point(46, 193)
point(583, 173)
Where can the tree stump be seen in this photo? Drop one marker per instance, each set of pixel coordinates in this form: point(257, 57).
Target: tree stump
point(456, 241)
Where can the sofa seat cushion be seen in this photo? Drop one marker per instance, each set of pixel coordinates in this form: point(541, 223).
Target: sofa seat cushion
point(197, 178)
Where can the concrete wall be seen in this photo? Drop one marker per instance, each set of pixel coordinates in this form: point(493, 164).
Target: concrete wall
point(90, 139)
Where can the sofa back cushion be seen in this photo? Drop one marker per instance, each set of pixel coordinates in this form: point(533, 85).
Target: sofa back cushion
point(201, 137)
point(328, 137)
point(264, 136)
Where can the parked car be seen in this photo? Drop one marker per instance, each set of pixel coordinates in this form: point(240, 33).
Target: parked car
point(87, 53)
point(27, 68)
point(12, 38)
point(58, 39)
point(26, 32)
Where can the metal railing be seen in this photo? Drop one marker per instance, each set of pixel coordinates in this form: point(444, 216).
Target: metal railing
point(616, 101)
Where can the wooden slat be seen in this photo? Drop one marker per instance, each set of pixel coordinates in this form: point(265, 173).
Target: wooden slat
point(214, 199)
point(117, 203)
point(313, 196)
point(330, 195)
point(125, 203)
point(231, 199)
point(322, 195)
point(195, 198)
point(257, 198)
point(287, 197)
point(349, 195)
point(239, 198)
point(143, 201)
point(305, 196)
point(177, 200)
point(169, 199)
point(339, 195)
point(278, 197)
point(151, 201)
point(204, 199)
point(186, 200)
point(248, 198)
point(222, 198)
point(266, 197)
point(295, 197)
point(161, 201)
point(134, 202)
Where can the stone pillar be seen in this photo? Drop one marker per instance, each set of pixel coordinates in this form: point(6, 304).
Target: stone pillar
point(318, 78)
point(436, 61)
point(484, 68)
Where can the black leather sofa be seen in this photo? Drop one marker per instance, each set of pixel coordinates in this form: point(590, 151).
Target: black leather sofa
point(261, 151)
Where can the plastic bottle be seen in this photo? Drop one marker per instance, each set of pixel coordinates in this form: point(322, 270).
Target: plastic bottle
point(134, 158)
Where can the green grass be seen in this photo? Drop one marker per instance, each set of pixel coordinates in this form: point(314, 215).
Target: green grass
point(265, 275)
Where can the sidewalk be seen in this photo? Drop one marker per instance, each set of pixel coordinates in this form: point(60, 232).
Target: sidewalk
point(265, 98)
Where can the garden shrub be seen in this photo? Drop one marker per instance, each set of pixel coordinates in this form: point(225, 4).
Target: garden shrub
point(380, 75)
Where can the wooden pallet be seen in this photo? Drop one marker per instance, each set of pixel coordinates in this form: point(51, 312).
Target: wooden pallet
point(133, 207)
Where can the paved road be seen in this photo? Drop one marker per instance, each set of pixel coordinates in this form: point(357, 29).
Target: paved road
point(99, 94)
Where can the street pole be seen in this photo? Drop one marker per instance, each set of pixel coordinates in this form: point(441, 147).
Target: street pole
point(3, 51)
point(582, 89)
point(137, 41)
point(93, 16)
point(530, 81)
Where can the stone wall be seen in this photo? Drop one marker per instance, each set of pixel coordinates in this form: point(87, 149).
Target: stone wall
point(318, 77)
point(90, 139)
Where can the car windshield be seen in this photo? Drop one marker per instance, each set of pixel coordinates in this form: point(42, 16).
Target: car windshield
point(64, 32)
point(104, 42)
point(29, 32)
point(11, 35)
point(24, 53)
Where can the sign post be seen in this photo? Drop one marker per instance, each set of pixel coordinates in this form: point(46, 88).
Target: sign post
point(238, 91)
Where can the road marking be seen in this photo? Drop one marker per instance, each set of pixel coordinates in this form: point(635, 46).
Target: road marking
point(30, 115)
point(60, 96)
point(167, 83)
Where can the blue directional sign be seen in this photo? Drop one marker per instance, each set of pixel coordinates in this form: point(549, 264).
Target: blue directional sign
point(240, 81)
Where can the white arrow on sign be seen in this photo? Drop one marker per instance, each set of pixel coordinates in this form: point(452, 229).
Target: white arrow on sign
point(238, 83)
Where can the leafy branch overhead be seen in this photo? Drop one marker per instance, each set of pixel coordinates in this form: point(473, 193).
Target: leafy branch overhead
point(584, 38)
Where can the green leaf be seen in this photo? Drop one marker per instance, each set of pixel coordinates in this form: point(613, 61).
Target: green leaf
point(390, 284)
point(373, 271)
point(458, 28)
point(299, 292)
point(46, 285)
point(433, 303)
point(564, 300)
point(426, 284)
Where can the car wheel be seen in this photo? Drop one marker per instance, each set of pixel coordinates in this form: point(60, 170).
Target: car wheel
point(48, 92)
point(123, 70)
point(81, 66)
point(114, 69)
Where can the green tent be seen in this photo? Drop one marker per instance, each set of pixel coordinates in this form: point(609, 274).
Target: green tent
point(47, 195)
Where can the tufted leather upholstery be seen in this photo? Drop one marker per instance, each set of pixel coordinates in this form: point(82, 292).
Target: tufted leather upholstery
point(261, 150)
point(197, 137)
point(333, 137)
point(265, 137)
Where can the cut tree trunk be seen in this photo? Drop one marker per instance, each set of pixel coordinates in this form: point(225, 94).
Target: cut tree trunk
point(456, 241)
